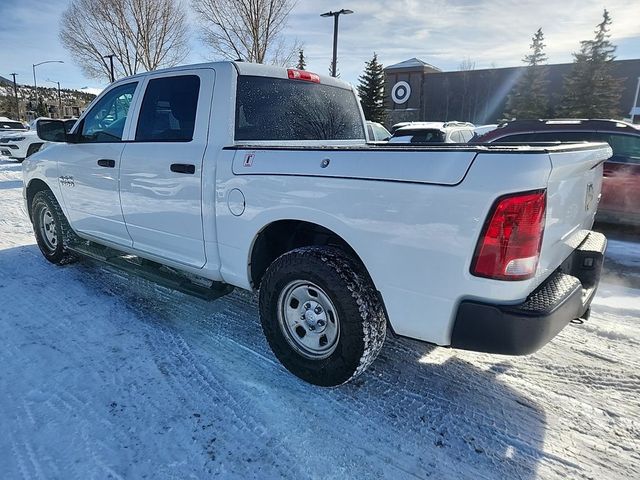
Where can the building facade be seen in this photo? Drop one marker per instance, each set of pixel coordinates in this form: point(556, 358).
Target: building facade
point(417, 91)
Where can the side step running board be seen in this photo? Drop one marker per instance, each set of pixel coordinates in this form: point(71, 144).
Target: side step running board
point(155, 272)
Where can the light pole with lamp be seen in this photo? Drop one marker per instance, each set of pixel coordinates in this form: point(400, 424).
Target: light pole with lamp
point(59, 98)
point(335, 15)
point(35, 84)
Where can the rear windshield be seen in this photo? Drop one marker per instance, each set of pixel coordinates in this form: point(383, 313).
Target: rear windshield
point(417, 136)
point(11, 126)
point(282, 109)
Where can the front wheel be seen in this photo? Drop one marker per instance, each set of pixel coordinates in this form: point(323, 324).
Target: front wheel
point(53, 233)
point(321, 314)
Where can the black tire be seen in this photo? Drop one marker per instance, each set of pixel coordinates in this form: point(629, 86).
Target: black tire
point(361, 316)
point(45, 206)
point(33, 148)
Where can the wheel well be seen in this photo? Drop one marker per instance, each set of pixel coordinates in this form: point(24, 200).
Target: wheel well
point(36, 185)
point(285, 235)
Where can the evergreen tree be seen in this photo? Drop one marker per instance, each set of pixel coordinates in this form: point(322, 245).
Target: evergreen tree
point(590, 90)
point(41, 109)
point(371, 90)
point(529, 98)
point(302, 62)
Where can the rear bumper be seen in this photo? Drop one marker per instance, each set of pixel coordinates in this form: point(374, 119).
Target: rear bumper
point(524, 328)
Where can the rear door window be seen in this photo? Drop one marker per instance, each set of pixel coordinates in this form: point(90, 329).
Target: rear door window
point(282, 109)
point(168, 111)
point(566, 137)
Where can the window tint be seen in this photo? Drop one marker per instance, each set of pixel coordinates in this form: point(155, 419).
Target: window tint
point(11, 126)
point(566, 137)
point(168, 112)
point(282, 109)
point(417, 136)
point(626, 148)
point(105, 121)
point(520, 138)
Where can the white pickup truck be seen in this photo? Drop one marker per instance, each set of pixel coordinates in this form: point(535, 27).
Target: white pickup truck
point(211, 176)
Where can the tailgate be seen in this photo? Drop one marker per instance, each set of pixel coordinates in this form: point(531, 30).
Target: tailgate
point(573, 192)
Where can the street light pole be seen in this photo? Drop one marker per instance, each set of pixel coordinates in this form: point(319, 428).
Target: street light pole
point(335, 15)
point(15, 93)
point(59, 98)
point(35, 85)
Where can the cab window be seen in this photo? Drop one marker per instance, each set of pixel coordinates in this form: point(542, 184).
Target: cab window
point(168, 112)
point(105, 121)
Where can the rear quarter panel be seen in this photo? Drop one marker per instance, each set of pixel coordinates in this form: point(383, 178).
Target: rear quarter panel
point(415, 239)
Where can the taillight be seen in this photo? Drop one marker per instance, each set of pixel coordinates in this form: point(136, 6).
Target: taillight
point(509, 247)
point(303, 75)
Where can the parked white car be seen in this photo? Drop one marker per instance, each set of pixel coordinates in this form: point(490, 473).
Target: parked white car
point(432, 132)
point(376, 132)
point(19, 145)
point(221, 175)
point(9, 127)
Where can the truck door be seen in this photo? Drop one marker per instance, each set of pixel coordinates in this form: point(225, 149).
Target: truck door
point(88, 172)
point(161, 167)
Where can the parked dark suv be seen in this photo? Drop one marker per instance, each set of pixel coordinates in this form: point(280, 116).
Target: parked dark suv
point(620, 201)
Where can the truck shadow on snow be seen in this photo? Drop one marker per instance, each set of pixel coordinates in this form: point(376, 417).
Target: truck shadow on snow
point(8, 184)
point(419, 411)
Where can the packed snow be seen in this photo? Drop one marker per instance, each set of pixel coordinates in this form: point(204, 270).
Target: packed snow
point(107, 376)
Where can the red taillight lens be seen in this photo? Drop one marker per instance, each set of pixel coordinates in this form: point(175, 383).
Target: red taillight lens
point(509, 247)
point(303, 75)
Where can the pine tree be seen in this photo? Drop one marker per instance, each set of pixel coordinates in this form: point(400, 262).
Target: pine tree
point(590, 90)
point(371, 90)
point(529, 97)
point(41, 109)
point(302, 62)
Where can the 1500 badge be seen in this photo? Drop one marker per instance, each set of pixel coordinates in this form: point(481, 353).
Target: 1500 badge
point(66, 181)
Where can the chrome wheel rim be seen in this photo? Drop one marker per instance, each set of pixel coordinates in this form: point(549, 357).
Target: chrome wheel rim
point(48, 231)
point(308, 319)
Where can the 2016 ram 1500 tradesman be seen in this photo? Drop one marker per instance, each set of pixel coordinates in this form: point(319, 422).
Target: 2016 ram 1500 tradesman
point(261, 178)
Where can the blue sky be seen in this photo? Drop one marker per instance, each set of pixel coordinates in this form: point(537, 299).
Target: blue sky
point(441, 32)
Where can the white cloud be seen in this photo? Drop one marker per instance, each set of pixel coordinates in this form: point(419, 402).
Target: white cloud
point(444, 32)
point(441, 32)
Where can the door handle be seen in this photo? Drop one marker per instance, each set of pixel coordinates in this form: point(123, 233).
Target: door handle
point(183, 168)
point(106, 162)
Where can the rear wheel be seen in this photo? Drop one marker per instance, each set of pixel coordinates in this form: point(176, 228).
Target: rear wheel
point(321, 315)
point(52, 231)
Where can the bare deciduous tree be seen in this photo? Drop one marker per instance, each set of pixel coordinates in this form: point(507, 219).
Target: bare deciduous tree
point(247, 29)
point(142, 34)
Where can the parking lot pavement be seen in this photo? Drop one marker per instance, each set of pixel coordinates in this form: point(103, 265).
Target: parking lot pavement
point(107, 376)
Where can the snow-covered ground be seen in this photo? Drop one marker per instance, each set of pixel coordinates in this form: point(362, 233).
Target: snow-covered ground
point(104, 376)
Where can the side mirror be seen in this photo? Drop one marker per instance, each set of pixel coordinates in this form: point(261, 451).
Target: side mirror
point(51, 130)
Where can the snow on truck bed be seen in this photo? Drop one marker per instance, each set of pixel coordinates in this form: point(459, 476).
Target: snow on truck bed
point(102, 376)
